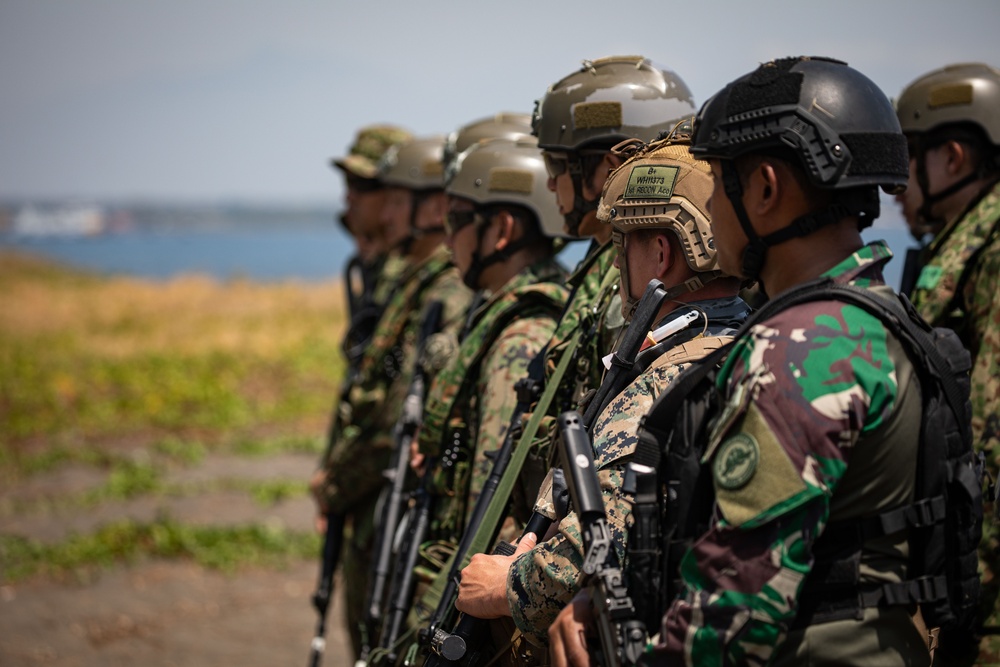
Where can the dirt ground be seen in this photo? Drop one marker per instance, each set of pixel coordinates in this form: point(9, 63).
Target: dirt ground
point(158, 613)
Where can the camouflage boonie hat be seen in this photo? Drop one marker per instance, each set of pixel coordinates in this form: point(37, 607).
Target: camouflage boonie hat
point(370, 144)
point(661, 186)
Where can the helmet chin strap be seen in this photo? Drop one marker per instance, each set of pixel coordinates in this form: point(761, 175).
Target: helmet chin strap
point(480, 263)
point(756, 249)
point(861, 202)
point(924, 212)
point(406, 243)
point(581, 206)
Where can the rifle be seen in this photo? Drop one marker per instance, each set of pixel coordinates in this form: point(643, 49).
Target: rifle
point(364, 312)
point(401, 592)
point(622, 637)
point(528, 390)
point(324, 587)
point(357, 282)
point(391, 499)
point(452, 648)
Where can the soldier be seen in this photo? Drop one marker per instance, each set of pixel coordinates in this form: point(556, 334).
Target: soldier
point(350, 476)
point(656, 204)
point(819, 417)
point(368, 274)
point(951, 118)
point(577, 122)
point(501, 226)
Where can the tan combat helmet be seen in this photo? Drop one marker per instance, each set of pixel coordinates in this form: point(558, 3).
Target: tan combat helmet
point(415, 164)
point(963, 93)
point(494, 174)
point(501, 125)
point(608, 100)
point(661, 186)
point(504, 171)
point(957, 102)
point(370, 144)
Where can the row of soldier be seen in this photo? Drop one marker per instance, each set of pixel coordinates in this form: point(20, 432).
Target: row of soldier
point(469, 341)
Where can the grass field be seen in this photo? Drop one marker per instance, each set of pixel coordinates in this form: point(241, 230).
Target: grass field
point(137, 382)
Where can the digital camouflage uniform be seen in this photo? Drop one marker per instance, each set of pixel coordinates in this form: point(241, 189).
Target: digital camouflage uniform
point(543, 581)
point(363, 440)
point(957, 288)
point(474, 395)
point(819, 423)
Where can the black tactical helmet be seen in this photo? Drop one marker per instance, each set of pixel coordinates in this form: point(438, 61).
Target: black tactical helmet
point(830, 119)
point(833, 118)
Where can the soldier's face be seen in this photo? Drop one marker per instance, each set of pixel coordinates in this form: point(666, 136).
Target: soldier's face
point(364, 200)
point(395, 215)
point(911, 199)
point(461, 233)
point(729, 237)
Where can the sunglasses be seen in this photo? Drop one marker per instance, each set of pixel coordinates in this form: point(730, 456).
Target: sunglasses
point(363, 185)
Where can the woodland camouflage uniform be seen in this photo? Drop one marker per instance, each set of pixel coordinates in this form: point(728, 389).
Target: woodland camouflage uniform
point(363, 433)
point(474, 396)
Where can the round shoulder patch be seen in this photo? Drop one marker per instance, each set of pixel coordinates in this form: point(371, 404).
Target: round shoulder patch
point(736, 461)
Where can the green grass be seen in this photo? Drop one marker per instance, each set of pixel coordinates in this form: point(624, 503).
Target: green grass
point(137, 378)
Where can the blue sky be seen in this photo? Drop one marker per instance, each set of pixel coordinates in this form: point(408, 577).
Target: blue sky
point(221, 100)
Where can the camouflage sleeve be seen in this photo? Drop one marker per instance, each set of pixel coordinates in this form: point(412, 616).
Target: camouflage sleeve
point(506, 363)
point(545, 579)
point(799, 391)
point(984, 311)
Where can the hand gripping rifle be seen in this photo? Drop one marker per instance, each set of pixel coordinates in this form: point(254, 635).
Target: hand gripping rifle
point(622, 636)
point(392, 498)
point(528, 390)
point(453, 648)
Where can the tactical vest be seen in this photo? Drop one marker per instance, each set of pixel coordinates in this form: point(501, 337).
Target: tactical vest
point(447, 420)
point(943, 524)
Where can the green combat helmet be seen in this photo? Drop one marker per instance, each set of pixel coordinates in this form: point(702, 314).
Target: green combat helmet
point(501, 125)
point(604, 102)
point(370, 144)
point(960, 102)
point(829, 119)
point(661, 186)
point(494, 173)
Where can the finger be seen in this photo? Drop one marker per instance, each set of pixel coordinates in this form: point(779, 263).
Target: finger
point(525, 544)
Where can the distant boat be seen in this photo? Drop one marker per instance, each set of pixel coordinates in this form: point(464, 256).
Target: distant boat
point(73, 220)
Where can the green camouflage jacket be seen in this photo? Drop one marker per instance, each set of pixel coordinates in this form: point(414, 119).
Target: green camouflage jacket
point(543, 581)
point(819, 422)
point(362, 440)
point(474, 396)
point(958, 288)
point(594, 309)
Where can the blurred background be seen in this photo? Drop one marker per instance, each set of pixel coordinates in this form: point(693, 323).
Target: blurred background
point(217, 118)
point(166, 385)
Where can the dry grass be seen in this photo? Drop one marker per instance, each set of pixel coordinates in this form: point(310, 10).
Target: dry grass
point(86, 358)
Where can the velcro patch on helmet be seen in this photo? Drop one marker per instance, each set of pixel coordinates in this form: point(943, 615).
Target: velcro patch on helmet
point(651, 181)
point(950, 95)
point(589, 115)
point(511, 180)
point(432, 168)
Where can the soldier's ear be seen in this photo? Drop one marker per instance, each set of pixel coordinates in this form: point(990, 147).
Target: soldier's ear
point(505, 224)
